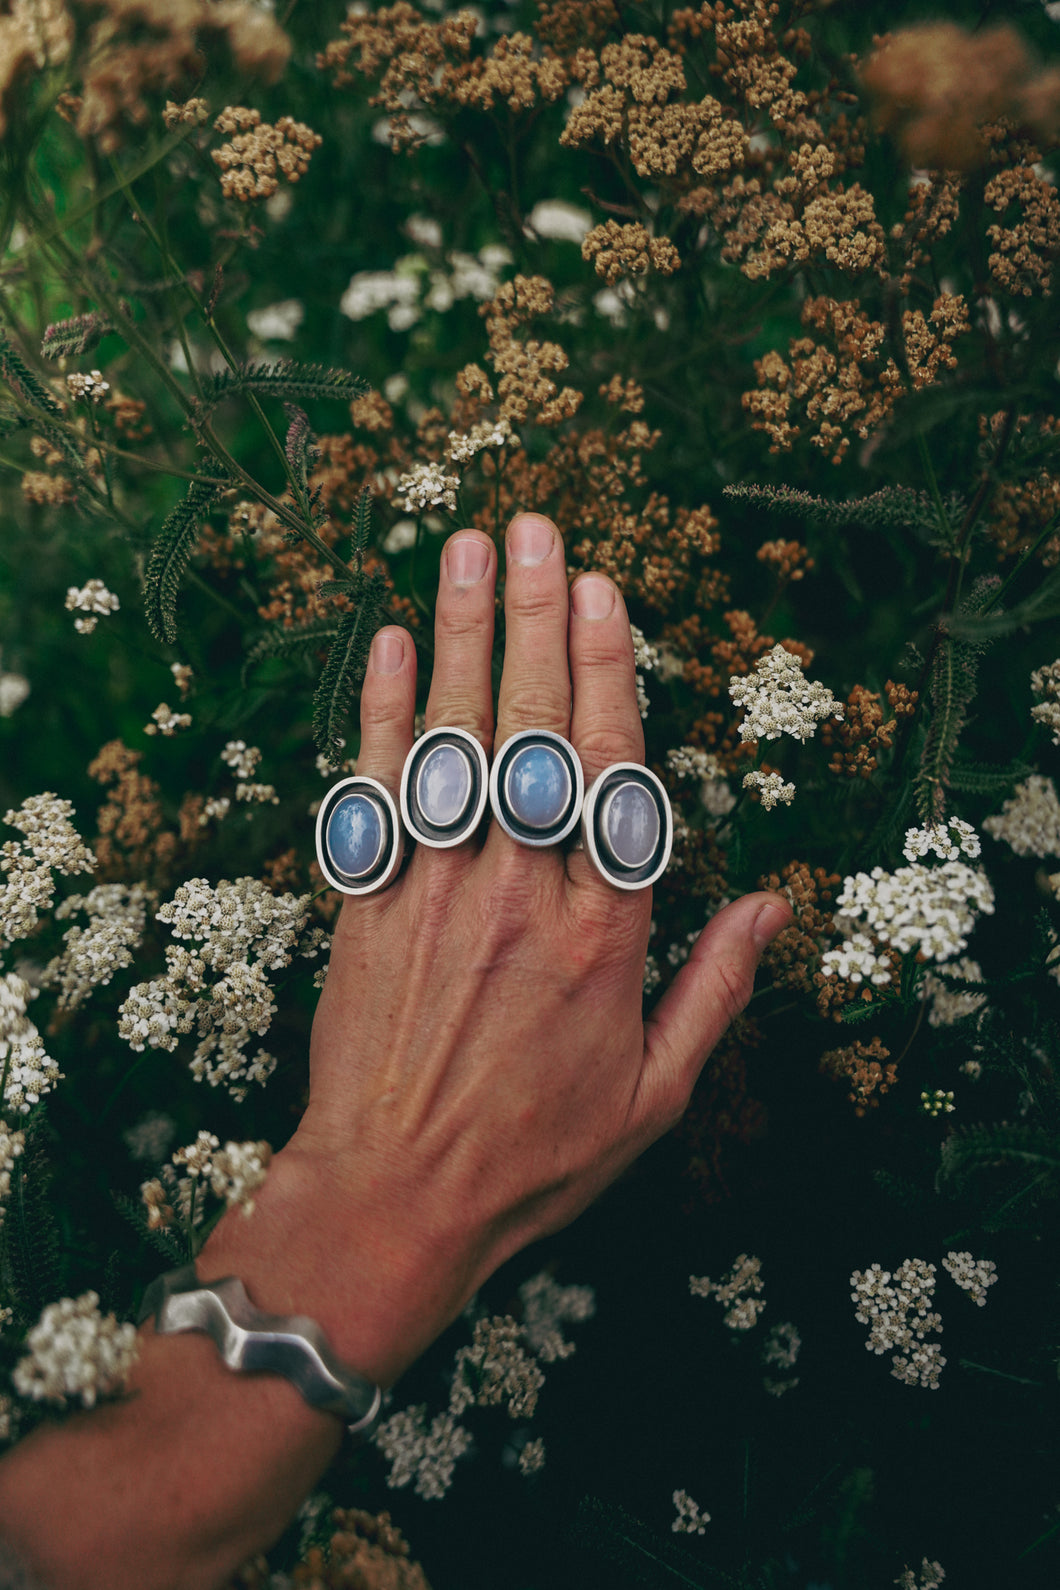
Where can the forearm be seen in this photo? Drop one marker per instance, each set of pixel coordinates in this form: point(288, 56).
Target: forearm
point(170, 1489)
point(199, 1468)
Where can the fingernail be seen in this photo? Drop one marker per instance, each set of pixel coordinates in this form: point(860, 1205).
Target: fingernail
point(592, 597)
point(529, 539)
point(771, 920)
point(388, 652)
point(467, 560)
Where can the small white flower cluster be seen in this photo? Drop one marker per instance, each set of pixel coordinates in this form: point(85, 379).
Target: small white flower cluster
point(546, 1307)
point(953, 1004)
point(91, 386)
point(30, 1073)
point(500, 1368)
point(399, 291)
point(689, 1520)
point(778, 699)
point(231, 923)
point(14, 688)
point(50, 841)
point(182, 678)
point(277, 322)
point(645, 658)
point(165, 721)
point(117, 914)
point(488, 433)
point(652, 975)
point(930, 1577)
point(927, 910)
point(771, 788)
point(971, 1275)
point(855, 959)
point(416, 1452)
point(948, 841)
point(937, 1101)
point(242, 758)
point(780, 1353)
point(94, 599)
point(901, 1317)
point(739, 1292)
point(257, 794)
point(217, 806)
point(1030, 820)
point(427, 486)
point(234, 1172)
point(150, 1137)
point(563, 222)
point(1045, 682)
point(496, 1370)
point(12, 1144)
point(75, 1351)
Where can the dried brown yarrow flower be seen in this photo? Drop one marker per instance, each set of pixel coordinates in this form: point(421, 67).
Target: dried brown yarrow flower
point(619, 251)
point(865, 1068)
point(259, 154)
point(935, 85)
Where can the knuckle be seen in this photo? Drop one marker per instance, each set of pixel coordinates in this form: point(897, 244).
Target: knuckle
point(609, 739)
point(541, 707)
point(735, 985)
point(536, 599)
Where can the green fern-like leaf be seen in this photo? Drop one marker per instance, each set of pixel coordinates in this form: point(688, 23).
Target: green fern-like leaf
point(33, 1257)
point(991, 1145)
point(345, 666)
point(288, 380)
point(362, 524)
point(70, 339)
point(167, 1243)
point(893, 507)
point(22, 380)
point(299, 446)
point(166, 566)
point(951, 690)
point(303, 640)
point(1042, 604)
point(978, 778)
point(859, 1011)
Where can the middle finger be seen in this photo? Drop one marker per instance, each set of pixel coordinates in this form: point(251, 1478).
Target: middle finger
point(535, 684)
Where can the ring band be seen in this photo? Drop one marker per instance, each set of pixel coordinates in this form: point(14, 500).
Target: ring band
point(628, 826)
point(360, 840)
point(536, 787)
point(444, 787)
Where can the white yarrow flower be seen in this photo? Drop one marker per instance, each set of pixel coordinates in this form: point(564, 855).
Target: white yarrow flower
point(771, 788)
point(1030, 821)
point(778, 699)
point(427, 486)
point(75, 1352)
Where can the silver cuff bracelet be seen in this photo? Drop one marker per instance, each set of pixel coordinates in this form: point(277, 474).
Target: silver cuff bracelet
point(250, 1341)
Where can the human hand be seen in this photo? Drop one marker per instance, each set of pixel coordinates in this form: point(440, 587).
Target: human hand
point(480, 1069)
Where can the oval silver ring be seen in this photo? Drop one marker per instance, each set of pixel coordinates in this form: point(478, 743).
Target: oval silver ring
point(444, 787)
point(628, 826)
point(360, 840)
point(536, 787)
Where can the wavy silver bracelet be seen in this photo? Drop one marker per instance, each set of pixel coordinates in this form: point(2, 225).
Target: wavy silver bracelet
point(250, 1341)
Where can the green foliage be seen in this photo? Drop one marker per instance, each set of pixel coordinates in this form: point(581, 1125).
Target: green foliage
point(288, 380)
point(73, 338)
point(347, 658)
point(169, 558)
point(952, 688)
point(33, 1269)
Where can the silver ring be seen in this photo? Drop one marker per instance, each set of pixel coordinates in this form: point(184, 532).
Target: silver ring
point(536, 787)
point(444, 787)
point(360, 840)
point(628, 826)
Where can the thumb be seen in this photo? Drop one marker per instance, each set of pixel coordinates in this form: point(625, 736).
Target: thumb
point(711, 988)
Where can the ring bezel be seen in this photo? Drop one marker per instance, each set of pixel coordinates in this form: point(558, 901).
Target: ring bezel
point(522, 833)
point(651, 870)
point(393, 850)
point(416, 821)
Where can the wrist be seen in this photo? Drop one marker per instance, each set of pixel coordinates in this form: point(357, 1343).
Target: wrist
point(364, 1264)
